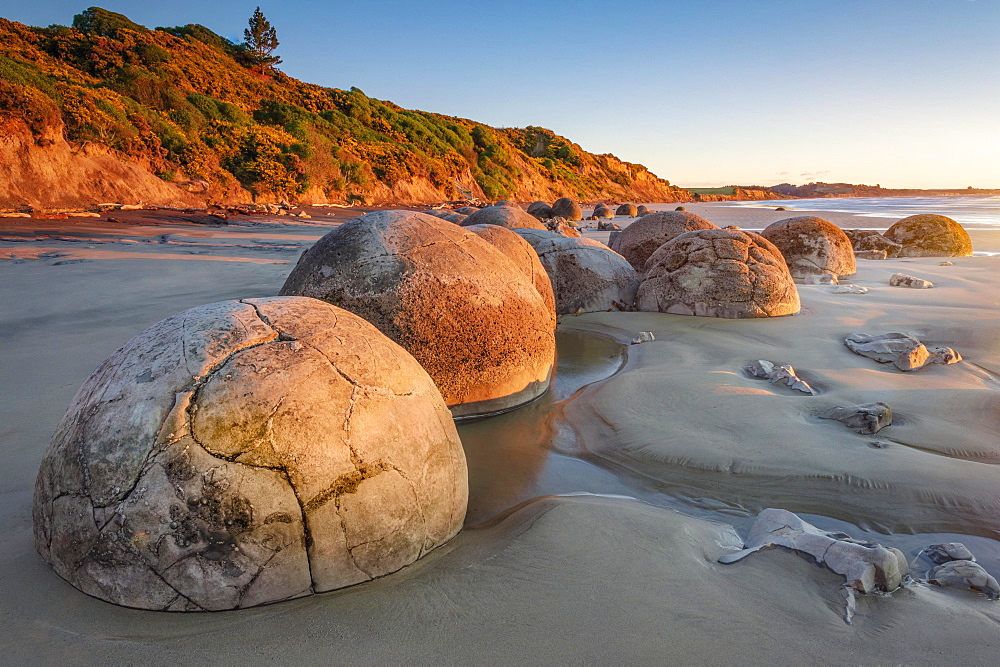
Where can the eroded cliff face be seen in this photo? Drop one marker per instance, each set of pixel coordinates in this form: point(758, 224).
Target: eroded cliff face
point(43, 171)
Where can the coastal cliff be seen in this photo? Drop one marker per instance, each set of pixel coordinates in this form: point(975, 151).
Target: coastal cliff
point(109, 110)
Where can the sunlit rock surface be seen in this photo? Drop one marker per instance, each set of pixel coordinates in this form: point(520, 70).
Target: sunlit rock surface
point(245, 452)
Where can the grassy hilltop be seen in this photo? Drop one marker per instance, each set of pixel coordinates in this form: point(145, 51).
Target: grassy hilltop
point(184, 104)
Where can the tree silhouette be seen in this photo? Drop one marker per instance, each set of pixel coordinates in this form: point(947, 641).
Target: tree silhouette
point(260, 41)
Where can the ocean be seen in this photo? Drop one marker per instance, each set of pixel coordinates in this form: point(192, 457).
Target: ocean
point(971, 212)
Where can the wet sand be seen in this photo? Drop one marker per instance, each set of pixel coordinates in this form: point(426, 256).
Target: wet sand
point(568, 578)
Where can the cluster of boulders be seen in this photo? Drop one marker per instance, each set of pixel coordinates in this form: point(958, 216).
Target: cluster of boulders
point(251, 451)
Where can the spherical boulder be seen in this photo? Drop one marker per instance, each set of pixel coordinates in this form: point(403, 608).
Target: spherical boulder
point(586, 275)
point(540, 210)
point(641, 210)
point(520, 252)
point(601, 211)
point(680, 208)
point(812, 246)
point(471, 317)
point(511, 217)
point(467, 210)
point(627, 210)
point(930, 236)
point(567, 208)
point(641, 239)
point(718, 273)
point(247, 452)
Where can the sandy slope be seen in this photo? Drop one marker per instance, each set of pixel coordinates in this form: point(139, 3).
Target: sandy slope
point(569, 580)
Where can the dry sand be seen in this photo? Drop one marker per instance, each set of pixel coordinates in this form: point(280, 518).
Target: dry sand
point(564, 579)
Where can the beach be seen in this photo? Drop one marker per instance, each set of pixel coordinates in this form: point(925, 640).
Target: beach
point(597, 513)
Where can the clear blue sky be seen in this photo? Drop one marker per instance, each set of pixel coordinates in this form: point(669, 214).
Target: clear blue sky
point(897, 92)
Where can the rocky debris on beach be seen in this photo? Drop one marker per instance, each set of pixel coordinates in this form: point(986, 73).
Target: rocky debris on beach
point(562, 228)
point(850, 289)
point(641, 210)
point(870, 254)
point(867, 418)
point(779, 373)
point(905, 280)
point(904, 351)
point(604, 226)
point(246, 452)
point(644, 236)
point(540, 210)
point(947, 551)
point(716, 273)
point(965, 574)
point(866, 566)
point(872, 239)
point(471, 317)
point(586, 275)
point(523, 255)
point(567, 208)
point(928, 235)
point(511, 217)
point(627, 210)
point(812, 246)
point(643, 337)
point(603, 212)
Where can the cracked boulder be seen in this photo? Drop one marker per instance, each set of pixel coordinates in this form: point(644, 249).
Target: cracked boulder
point(473, 319)
point(717, 273)
point(867, 418)
point(928, 235)
point(246, 452)
point(586, 275)
point(642, 238)
point(512, 217)
point(812, 247)
point(965, 574)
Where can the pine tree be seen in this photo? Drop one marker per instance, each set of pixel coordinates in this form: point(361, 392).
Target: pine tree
point(260, 41)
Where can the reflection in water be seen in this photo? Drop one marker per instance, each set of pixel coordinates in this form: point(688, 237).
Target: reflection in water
point(511, 457)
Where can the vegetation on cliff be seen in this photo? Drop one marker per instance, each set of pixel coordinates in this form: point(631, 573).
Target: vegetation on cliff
point(190, 105)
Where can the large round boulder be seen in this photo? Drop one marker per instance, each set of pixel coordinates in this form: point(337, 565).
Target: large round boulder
point(641, 239)
point(567, 208)
point(718, 273)
point(641, 210)
point(812, 246)
point(468, 314)
point(511, 217)
point(540, 210)
point(930, 236)
point(247, 452)
point(601, 211)
point(627, 210)
point(520, 252)
point(586, 275)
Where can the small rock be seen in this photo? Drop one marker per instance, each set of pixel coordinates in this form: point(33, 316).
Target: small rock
point(946, 264)
point(822, 279)
point(884, 348)
point(768, 370)
point(643, 337)
point(870, 254)
point(850, 289)
point(965, 574)
point(63, 262)
point(868, 418)
point(904, 280)
point(302, 214)
point(949, 551)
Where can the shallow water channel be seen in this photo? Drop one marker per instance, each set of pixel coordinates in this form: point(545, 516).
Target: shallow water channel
point(532, 452)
